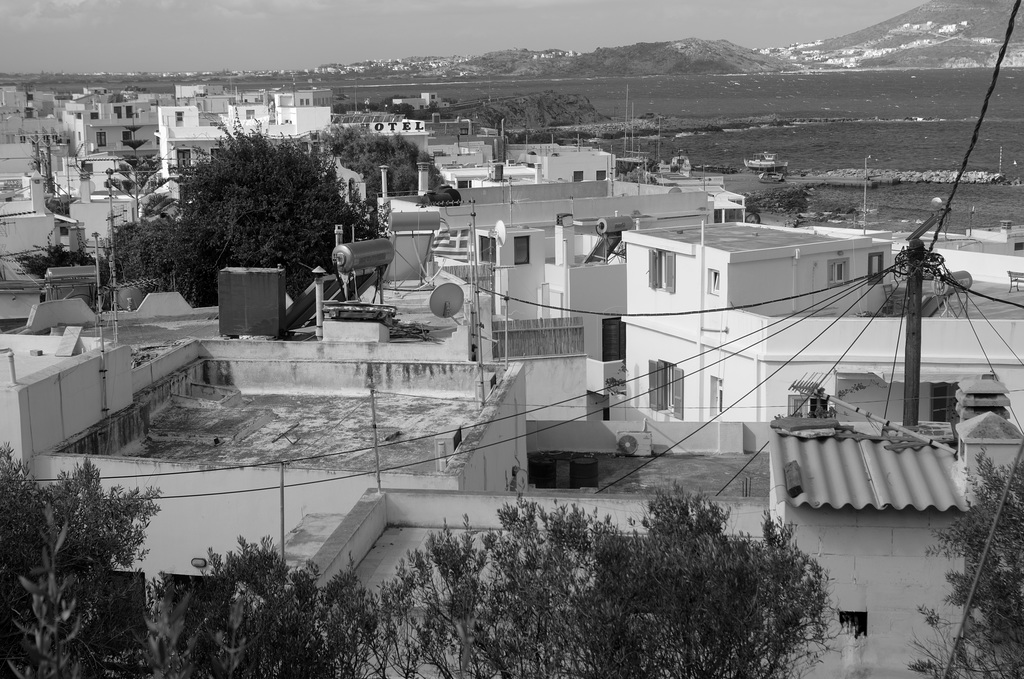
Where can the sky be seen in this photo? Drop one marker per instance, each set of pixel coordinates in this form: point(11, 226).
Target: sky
point(208, 35)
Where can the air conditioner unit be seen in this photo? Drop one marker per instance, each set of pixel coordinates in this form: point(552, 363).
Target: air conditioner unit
point(636, 443)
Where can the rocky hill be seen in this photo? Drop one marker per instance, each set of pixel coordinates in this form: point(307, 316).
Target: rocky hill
point(535, 111)
point(937, 34)
point(647, 58)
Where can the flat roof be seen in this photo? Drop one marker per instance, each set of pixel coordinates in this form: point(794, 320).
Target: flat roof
point(739, 237)
point(268, 428)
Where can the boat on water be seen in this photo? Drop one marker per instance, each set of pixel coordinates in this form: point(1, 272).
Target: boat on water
point(766, 162)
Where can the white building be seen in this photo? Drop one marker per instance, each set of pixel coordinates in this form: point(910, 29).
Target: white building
point(723, 358)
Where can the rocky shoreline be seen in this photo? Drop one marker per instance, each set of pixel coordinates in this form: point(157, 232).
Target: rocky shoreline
point(911, 177)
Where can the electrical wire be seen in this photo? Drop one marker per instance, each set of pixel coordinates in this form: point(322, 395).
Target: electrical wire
point(432, 459)
point(977, 127)
point(750, 391)
point(896, 349)
point(736, 475)
point(839, 294)
point(690, 312)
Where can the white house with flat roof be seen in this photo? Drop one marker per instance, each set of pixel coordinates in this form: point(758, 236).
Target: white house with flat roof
point(717, 360)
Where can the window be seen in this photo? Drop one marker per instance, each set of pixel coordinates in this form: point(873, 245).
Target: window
point(250, 113)
point(716, 394)
point(179, 118)
point(522, 249)
point(662, 272)
point(666, 387)
point(127, 111)
point(127, 135)
point(101, 138)
point(94, 115)
point(943, 402)
point(1018, 246)
point(613, 339)
point(714, 281)
point(838, 271)
point(875, 262)
point(854, 623)
point(577, 175)
point(487, 248)
point(797, 406)
point(78, 115)
point(117, 111)
point(602, 175)
point(184, 157)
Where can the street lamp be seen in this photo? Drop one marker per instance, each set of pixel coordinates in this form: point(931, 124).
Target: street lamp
point(864, 210)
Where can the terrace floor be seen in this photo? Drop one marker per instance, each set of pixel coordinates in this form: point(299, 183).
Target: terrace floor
point(333, 432)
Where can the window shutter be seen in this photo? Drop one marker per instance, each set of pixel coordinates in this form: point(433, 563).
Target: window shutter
point(677, 393)
point(655, 382)
point(652, 271)
point(670, 271)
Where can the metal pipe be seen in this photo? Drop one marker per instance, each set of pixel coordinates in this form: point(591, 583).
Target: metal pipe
point(319, 272)
point(373, 427)
point(282, 511)
point(10, 365)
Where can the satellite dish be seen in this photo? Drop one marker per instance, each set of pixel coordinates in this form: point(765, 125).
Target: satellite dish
point(446, 300)
point(499, 232)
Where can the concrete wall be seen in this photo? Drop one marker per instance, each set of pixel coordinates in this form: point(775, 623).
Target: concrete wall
point(453, 349)
point(601, 437)
point(986, 267)
point(488, 455)
point(556, 379)
point(435, 509)
point(601, 287)
point(877, 563)
point(197, 514)
point(147, 374)
point(63, 399)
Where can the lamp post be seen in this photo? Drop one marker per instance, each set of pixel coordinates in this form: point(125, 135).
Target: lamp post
point(864, 210)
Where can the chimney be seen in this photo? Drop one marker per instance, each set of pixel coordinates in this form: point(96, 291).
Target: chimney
point(424, 175)
point(982, 405)
point(85, 188)
point(384, 182)
point(1005, 225)
point(38, 194)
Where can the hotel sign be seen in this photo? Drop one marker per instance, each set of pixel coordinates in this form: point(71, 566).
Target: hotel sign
point(399, 126)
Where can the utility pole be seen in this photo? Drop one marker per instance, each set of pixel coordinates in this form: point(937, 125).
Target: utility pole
point(912, 349)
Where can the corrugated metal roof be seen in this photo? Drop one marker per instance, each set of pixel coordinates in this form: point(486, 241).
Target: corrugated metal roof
point(863, 472)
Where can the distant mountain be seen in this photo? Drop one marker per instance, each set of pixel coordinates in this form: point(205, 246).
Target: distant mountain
point(938, 34)
point(645, 58)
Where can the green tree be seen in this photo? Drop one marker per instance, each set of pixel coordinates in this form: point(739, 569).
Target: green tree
point(105, 531)
point(291, 627)
point(364, 152)
point(255, 202)
point(51, 256)
point(562, 593)
point(993, 640)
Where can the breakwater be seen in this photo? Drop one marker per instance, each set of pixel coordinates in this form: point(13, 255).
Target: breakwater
point(876, 176)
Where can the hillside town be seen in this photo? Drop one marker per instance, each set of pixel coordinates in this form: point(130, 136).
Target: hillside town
point(503, 323)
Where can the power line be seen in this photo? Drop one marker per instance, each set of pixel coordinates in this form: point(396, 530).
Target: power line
point(431, 459)
point(750, 391)
point(977, 130)
point(839, 294)
point(690, 312)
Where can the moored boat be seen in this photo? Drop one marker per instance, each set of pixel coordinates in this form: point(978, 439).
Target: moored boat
point(766, 162)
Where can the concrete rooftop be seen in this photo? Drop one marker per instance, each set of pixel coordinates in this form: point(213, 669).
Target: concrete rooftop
point(739, 237)
point(266, 428)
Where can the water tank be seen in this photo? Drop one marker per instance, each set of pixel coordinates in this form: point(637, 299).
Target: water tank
point(251, 301)
point(607, 225)
point(365, 254)
point(543, 473)
point(583, 473)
